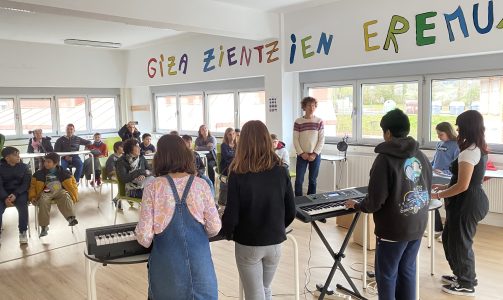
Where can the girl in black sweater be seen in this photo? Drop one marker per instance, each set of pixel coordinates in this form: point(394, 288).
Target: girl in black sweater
point(260, 205)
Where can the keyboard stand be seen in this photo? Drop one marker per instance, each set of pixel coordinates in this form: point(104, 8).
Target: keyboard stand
point(338, 261)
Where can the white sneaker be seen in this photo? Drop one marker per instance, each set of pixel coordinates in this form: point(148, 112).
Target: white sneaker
point(23, 238)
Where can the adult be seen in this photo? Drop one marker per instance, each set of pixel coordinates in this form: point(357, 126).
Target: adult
point(206, 142)
point(39, 144)
point(228, 149)
point(129, 131)
point(466, 204)
point(71, 143)
point(177, 216)
point(132, 169)
point(308, 139)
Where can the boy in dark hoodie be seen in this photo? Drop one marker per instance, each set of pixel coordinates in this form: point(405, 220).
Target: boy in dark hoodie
point(53, 183)
point(14, 183)
point(398, 195)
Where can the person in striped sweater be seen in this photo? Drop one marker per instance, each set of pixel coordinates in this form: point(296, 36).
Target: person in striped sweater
point(308, 139)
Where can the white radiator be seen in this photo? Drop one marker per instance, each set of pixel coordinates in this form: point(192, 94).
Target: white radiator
point(359, 169)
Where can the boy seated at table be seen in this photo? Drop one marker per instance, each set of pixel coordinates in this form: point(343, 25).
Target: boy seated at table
point(53, 183)
point(98, 149)
point(110, 164)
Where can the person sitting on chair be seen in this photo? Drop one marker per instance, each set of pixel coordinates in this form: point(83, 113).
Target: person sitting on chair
point(53, 183)
point(112, 159)
point(98, 149)
point(280, 149)
point(39, 144)
point(132, 169)
point(71, 143)
point(14, 183)
point(129, 131)
point(146, 146)
point(200, 167)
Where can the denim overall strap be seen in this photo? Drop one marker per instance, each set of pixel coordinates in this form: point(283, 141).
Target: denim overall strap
point(185, 191)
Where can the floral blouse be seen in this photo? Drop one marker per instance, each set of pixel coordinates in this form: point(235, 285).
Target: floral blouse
point(158, 206)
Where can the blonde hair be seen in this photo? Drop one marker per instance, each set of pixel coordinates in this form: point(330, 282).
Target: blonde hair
point(254, 152)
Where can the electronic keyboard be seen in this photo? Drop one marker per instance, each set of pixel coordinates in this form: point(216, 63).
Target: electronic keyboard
point(327, 205)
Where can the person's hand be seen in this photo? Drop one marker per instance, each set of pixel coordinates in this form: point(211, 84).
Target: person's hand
point(12, 197)
point(312, 156)
point(209, 144)
point(148, 152)
point(140, 178)
point(9, 202)
point(33, 201)
point(350, 203)
point(438, 186)
point(437, 171)
point(305, 156)
point(68, 158)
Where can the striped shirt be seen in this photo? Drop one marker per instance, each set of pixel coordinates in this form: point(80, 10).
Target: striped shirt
point(308, 135)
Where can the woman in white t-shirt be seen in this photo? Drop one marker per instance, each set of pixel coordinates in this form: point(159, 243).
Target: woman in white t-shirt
point(466, 204)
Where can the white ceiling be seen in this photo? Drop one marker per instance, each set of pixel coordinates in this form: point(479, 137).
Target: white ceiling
point(54, 21)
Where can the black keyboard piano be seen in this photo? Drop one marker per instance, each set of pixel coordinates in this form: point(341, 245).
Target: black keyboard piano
point(327, 205)
point(115, 241)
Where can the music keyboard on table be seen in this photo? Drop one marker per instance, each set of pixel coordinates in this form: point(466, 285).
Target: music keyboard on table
point(327, 205)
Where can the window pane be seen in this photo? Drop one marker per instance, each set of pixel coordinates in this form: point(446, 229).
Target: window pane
point(35, 114)
point(103, 113)
point(378, 99)
point(192, 112)
point(335, 107)
point(453, 96)
point(221, 112)
point(251, 107)
point(166, 112)
point(7, 124)
point(72, 110)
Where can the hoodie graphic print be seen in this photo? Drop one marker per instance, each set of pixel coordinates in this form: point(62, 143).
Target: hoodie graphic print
point(418, 196)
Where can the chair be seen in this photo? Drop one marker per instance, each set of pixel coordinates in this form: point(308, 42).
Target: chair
point(121, 195)
point(110, 141)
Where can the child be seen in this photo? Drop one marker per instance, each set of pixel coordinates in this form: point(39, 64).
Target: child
point(308, 139)
point(110, 164)
point(98, 149)
point(146, 146)
point(447, 150)
point(260, 205)
point(200, 167)
point(53, 183)
point(279, 148)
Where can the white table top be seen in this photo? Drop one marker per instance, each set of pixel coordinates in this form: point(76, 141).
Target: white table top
point(494, 174)
point(329, 157)
point(74, 152)
point(31, 155)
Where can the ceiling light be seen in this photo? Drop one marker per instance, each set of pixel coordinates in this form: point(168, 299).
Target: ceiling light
point(92, 43)
point(17, 10)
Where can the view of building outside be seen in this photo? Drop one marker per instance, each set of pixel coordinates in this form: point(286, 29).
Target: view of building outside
point(72, 110)
point(335, 107)
point(378, 99)
point(103, 113)
point(191, 112)
point(453, 96)
point(166, 112)
point(251, 107)
point(221, 112)
point(35, 114)
point(7, 117)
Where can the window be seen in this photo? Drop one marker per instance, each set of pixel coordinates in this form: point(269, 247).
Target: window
point(450, 97)
point(103, 113)
point(251, 107)
point(335, 107)
point(380, 98)
point(35, 114)
point(7, 121)
point(192, 112)
point(72, 110)
point(166, 113)
point(221, 112)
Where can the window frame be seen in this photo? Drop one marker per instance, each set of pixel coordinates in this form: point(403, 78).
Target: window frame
point(237, 99)
point(54, 114)
point(117, 112)
point(179, 111)
point(158, 129)
point(17, 115)
point(207, 107)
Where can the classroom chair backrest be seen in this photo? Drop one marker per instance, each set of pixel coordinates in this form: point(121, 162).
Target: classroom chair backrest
point(219, 157)
point(110, 141)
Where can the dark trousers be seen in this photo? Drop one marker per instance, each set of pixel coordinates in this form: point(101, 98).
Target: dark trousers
point(76, 162)
point(457, 238)
point(21, 205)
point(211, 172)
point(300, 169)
point(395, 266)
point(438, 222)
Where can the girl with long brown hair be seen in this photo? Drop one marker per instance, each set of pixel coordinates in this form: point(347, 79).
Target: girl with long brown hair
point(260, 205)
point(466, 204)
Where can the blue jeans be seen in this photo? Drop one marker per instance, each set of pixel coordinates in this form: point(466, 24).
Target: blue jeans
point(395, 266)
point(76, 162)
point(314, 168)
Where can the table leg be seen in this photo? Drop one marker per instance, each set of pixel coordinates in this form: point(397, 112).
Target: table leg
point(241, 292)
point(295, 264)
point(432, 217)
point(365, 222)
point(417, 273)
point(335, 175)
point(428, 228)
point(91, 268)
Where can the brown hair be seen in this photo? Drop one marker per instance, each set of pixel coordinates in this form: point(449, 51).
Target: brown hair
point(173, 156)
point(274, 137)
point(199, 131)
point(471, 131)
point(254, 152)
point(226, 137)
point(448, 129)
point(307, 100)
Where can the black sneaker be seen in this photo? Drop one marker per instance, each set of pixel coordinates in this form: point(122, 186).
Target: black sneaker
point(456, 289)
point(72, 221)
point(44, 231)
point(452, 279)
